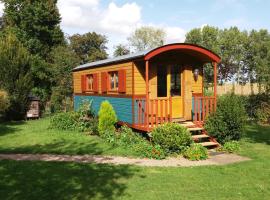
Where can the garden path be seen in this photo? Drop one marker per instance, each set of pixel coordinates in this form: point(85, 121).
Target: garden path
point(214, 159)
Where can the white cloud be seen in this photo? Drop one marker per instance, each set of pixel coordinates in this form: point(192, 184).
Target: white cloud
point(86, 15)
point(115, 21)
point(1, 8)
point(175, 34)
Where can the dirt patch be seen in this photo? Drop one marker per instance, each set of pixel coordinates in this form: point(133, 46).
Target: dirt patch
point(214, 159)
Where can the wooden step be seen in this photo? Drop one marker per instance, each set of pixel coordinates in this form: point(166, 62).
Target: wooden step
point(180, 120)
point(196, 129)
point(207, 144)
point(194, 137)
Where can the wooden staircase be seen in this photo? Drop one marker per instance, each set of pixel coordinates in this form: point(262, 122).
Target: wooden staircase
point(199, 135)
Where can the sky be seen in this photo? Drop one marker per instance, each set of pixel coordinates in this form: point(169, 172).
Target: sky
point(117, 19)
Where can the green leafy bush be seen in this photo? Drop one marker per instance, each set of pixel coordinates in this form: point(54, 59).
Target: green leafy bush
point(231, 147)
point(173, 138)
point(107, 118)
point(196, 152)
point(262, 114)
point(255, 103)
point(65, 121)
point(87, 121)
point(147, 150)
point(4, 102)
point(228, 121)
point(83, 120)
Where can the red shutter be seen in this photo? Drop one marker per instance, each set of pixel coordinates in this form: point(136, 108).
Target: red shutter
point(95, 82)
point(83, 83)
point(122, 81)
point(104, 82)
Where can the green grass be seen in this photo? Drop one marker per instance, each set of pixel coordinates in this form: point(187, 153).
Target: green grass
point(36, 137)
point(43, 180)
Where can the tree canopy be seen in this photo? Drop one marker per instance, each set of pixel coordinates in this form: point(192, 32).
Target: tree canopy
point(147, 37)
point(245, 55)
point(36, 24)
point(89, 47)
point(121, 50)
point(15, 76)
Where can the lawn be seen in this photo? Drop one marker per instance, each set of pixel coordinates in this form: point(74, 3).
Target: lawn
point(36, 137)
point(42, 180)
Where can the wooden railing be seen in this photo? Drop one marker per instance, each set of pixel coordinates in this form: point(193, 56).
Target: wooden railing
point(160, 111)
point(202, 107)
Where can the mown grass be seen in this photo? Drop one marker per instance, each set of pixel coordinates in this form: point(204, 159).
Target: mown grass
point(37, 137)
point(42, 180)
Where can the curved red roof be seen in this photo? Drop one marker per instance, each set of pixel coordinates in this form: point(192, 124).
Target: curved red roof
point(201, 52)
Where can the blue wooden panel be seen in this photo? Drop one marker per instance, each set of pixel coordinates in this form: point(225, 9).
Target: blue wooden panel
point(122, 106)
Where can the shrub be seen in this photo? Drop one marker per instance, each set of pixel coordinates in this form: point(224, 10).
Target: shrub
point(262, 114)
point(228, 121)
point(64, 121)
point(127, 137)
point(231, 147)
point(196, 152)
point(107, 118)
point(82, 120)
point(147, 150)
point(87, 121)
point(173, 138)
point(4, 102)
point(254, 104)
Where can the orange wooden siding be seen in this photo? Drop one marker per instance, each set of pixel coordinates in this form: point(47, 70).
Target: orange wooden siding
point(77, 75)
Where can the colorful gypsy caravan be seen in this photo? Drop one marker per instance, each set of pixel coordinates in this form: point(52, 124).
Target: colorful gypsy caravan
point(152, 87)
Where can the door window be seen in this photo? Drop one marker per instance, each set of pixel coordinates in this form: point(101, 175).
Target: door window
point(176, 81)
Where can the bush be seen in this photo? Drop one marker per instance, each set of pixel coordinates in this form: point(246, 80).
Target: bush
point(262, 114)
point(254, 104)
point(231, 147)
point(173, 138)
point(65, 121)
point(129, 139)
point(228, 121)
point(83, 120)
point(4, 102)
point(107, 118)
point(87, 121)
point(196, 152)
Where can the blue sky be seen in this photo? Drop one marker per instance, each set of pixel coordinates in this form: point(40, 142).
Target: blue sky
point(187, 14)
point(117, 19)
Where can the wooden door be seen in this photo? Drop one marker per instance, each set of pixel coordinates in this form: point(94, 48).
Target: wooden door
point(187, 92)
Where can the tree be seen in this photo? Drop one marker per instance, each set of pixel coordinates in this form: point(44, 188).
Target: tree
point(15, 76)
point(229, 44)
point(258, 58)
point(35, 23)
point(232, 51)
point(207, 37)
point(89, 47)
point(147, 37)
point(121, 50)
point(63, 60)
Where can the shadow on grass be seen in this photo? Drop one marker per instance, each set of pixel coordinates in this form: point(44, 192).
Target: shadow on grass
point(59, 147)
point(8, 127)
point(43, 180)
point(258, 134)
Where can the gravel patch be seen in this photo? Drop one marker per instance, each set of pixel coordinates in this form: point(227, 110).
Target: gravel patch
point(214, 159)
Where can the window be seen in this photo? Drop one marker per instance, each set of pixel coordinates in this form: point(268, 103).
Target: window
point(175, 81)
point(113, 78)
point(90, 82)
point(161, 81)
